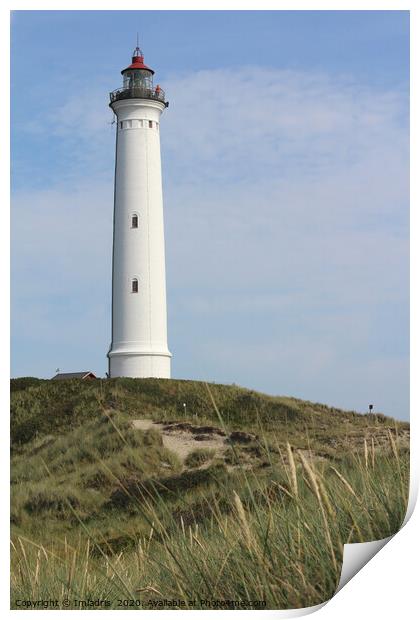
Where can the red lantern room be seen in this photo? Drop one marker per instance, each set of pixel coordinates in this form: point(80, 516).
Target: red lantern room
point(138, 81)
point(138, 75)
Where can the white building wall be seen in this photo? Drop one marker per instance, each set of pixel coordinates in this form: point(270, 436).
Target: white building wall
point(139, 333)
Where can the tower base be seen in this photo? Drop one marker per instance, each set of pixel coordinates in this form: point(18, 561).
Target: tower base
point(140, 366)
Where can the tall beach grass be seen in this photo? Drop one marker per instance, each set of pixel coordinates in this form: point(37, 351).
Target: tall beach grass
point(266, 537)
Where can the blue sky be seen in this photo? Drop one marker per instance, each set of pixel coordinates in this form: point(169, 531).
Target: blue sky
point(285, 166)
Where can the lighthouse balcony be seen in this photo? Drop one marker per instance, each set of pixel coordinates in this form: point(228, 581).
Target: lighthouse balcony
point(138, 93)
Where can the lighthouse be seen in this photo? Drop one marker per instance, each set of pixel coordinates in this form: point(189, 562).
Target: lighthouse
point(139, 327)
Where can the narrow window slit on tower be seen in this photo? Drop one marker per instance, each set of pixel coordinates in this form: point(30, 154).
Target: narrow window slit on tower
point(150, 124)
point(134, 285)
point(134, 221)
point(121, 125)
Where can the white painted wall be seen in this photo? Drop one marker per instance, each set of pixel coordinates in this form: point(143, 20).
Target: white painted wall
point(139, 333)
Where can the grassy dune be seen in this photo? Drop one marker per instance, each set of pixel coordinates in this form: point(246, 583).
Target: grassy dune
point(102, 511)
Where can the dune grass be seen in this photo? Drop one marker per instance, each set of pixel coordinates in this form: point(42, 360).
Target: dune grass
point(103, 512)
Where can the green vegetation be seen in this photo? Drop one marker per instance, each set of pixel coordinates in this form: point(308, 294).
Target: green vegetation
point(102, 510)
point(199, 457)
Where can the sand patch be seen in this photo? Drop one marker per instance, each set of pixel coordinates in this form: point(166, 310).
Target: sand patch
point(183, 438)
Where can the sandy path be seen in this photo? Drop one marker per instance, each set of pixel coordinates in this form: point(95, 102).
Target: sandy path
point(183, 441)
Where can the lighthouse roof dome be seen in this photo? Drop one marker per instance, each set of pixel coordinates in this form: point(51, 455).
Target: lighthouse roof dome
point(137, 62)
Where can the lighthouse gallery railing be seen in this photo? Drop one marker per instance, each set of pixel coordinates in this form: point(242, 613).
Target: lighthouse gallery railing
point(137, 93)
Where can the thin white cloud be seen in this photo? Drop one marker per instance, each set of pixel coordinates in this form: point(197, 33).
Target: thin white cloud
point(254, 120)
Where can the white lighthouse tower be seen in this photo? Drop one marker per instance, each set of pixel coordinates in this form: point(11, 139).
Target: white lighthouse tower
point(139, 334)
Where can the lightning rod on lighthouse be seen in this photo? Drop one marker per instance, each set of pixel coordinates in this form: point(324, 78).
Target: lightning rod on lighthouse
point(139, 327)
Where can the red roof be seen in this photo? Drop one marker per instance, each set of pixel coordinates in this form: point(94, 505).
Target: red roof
point(137, 62)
